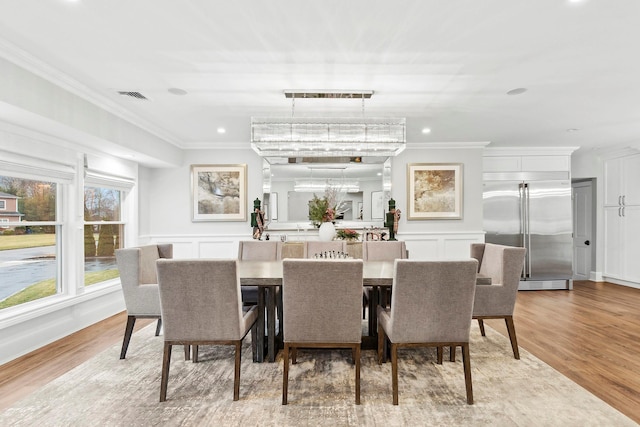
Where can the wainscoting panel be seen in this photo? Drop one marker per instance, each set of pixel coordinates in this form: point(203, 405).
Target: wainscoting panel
point(427, 246)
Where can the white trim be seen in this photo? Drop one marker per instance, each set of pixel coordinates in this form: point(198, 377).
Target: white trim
point(447, 145)
point(529, 151)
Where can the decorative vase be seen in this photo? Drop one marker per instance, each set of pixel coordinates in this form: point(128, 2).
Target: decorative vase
point(327, 231)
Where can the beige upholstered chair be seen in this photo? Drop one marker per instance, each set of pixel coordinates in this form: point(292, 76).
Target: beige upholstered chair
point(321, 301)
point(137, 268)
point(312, 248)
point(431, 306)
point(201, 305)
point(256, 250)
point(383, 250)
point(503, 264)
point(376, 250)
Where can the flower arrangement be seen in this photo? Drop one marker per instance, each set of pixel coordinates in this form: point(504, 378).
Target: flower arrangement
point(324, 209)
point(347, 234)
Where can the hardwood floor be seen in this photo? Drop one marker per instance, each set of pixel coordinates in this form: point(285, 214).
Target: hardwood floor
point(590, 334)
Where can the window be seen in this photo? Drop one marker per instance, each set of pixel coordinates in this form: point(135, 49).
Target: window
point(3, 205)
point(103, 233)
point(29, 261)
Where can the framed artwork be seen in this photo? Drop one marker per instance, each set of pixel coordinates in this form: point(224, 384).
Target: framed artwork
point(434, 190)
point(219, 192)
point(377, 208)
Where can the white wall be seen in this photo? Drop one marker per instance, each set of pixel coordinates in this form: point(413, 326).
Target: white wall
point(166, 205)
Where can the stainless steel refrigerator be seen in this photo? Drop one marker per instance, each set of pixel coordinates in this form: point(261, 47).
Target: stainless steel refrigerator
point(535, 214)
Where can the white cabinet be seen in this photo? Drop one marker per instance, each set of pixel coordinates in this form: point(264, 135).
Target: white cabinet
point(622, 181)
point(622, 218)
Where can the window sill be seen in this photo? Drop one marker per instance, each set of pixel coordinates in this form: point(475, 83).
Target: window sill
point(15, 315)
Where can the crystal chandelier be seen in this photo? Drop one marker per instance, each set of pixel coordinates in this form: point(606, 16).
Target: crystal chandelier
point(327, 137)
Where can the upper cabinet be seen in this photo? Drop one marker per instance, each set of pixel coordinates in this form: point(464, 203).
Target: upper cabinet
point(622, 181)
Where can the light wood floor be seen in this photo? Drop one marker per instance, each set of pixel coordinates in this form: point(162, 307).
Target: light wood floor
point(590, 334)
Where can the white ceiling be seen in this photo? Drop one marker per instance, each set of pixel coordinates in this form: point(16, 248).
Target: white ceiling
point(445, 65)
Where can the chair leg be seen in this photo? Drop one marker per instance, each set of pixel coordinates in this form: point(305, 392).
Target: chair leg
point(452, 353)
point(512, 336)
point(254, 341)
point(294, 355)
point(394, 372)
point(481, 324)
point(285, 375)
point(128, 330)
point(166, 361)
point(236, 376)
point(159, 326)
point(381, 342)
point(195, 354)
point(467, 372)
point(187, 352)
point(439, 356)
point(356, 351)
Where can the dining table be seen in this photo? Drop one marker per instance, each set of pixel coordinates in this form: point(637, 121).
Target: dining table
point(266, 276)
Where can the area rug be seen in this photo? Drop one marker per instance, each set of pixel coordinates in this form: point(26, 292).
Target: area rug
point(106, 391)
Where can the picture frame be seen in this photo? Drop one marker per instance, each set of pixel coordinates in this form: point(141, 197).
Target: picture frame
point(219, 192)
point(434, 191)
point(377, 206)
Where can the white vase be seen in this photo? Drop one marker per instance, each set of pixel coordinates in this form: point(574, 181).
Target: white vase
point(327, 231)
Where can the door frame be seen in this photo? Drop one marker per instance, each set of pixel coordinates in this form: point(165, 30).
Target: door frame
point(589, 182)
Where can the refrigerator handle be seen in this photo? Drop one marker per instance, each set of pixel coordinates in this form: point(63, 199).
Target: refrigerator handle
point(623, 202)
point(619, 211)
point(527, 235)
point(619, 200)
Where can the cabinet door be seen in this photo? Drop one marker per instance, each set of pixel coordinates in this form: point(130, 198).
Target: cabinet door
point(631, 180)
point(630, 248)
point(613, 181)
point(613, 242)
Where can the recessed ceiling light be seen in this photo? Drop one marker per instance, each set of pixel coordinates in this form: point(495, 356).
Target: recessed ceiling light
point(572, 130)
point(426, 130)
point(222, 130)
point(177, 91)
point(517, 91)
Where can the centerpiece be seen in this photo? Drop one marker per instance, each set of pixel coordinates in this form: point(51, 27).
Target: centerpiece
point(322, 212)
point(347, 234)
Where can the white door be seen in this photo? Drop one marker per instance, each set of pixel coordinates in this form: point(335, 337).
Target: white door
point(582, 229)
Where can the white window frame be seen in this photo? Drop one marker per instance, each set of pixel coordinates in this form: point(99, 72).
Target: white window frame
point(3, 205)
point(98, 179)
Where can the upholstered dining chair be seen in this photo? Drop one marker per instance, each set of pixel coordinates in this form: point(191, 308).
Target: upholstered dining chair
point(256, 250)
point(503, 264)
point(201, 305)
point(312, 247)
point(321, 301)
point(431, 306)
point(377, 250)
point(137, 268)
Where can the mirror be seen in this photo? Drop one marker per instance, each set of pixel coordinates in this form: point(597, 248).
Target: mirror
point(289, 185)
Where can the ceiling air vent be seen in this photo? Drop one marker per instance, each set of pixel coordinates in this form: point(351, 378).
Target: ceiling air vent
point(131, 94)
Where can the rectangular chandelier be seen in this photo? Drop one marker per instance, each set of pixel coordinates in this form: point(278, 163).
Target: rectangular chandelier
point(328, 137)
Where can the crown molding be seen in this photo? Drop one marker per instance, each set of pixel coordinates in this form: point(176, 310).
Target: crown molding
point(447, 145)
point(529, 151)
point(30, 63)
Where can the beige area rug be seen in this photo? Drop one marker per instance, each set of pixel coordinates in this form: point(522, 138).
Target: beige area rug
point(106, 391)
